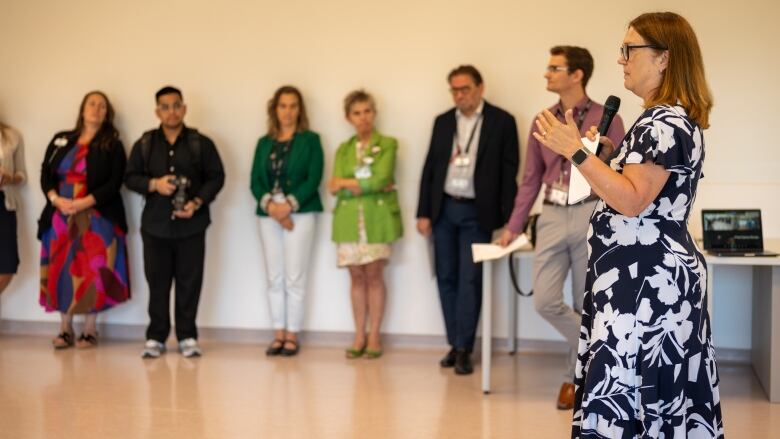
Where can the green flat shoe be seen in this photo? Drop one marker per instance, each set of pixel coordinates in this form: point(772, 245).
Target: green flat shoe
point(372, 354)
point(353, 353)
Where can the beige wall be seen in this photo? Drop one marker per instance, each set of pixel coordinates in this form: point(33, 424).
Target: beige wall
point(229, 56)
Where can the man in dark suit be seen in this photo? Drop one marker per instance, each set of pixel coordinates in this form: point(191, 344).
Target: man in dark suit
point(467, 190)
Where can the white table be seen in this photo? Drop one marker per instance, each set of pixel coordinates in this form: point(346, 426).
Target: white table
point(765, 349)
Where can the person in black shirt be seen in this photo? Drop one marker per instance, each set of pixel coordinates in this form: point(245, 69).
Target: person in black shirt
point(179, 171)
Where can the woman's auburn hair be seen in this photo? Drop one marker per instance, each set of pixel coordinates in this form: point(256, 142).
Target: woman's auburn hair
point(683, 81)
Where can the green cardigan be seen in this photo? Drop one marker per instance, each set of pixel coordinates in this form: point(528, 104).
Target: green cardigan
point(380, 208)
point(302, 173)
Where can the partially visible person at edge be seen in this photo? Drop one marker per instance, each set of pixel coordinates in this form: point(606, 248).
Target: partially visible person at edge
point(12, 175)
point(367, 218)
point(561, 244)
point(646, 364)
point(82, 229)
point(285, 181)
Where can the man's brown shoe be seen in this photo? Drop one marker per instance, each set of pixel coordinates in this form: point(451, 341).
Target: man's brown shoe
point(566, 397)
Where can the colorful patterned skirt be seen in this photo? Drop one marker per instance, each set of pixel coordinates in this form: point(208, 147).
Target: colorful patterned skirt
point(84, 267)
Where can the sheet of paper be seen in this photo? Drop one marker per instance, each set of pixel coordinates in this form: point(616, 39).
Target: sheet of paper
point(486, 252)
point(579, 189)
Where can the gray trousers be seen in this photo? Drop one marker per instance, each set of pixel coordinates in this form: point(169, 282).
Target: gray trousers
point(561, 245)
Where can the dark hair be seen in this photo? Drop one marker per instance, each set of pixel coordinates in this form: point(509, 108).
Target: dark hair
point(466, 69)
point(107, 134)
point(168, 89)
point(683, 80)
point(302, 124)
point(578, 58)
point(358, 96)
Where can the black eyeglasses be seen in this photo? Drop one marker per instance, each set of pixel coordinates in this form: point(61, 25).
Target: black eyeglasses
point(625, 49)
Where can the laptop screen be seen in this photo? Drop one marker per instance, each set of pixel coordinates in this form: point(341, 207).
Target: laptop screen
point(732, 229)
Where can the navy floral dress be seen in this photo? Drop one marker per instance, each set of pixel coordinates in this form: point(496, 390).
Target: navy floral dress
point(646, 364)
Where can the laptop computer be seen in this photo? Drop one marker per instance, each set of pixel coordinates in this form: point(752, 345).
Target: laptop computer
point(734, 232)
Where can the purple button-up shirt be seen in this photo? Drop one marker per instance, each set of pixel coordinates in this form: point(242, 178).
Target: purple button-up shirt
point(544, 166)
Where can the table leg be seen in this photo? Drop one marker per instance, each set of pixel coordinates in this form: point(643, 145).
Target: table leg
point(511, 330)
point(487, 322)
point(765, 352)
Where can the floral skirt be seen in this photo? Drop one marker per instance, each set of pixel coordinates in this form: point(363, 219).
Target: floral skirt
point(84, 267)
point(361, 252)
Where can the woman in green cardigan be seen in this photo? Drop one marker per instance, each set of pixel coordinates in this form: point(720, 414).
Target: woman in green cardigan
point(286, 176)
point(366, 219)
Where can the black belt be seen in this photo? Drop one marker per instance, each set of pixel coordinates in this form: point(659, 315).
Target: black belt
point(458, 199)
point(586, 200)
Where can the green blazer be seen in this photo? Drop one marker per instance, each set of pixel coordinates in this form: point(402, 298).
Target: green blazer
point(380, 207)
point(301, 176)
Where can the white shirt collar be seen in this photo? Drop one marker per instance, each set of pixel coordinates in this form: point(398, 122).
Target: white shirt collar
point(480, 107)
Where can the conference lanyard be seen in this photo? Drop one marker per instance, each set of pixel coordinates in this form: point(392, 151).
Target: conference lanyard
point(580, 120)
point(471, 137)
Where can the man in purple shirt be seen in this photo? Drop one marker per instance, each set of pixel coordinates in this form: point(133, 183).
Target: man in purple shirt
point(561, 228)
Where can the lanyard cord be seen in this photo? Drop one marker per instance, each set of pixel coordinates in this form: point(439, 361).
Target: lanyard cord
point(471, 137)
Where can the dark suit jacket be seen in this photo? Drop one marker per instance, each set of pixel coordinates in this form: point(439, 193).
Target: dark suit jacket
point(105, 171)
point(495, 174)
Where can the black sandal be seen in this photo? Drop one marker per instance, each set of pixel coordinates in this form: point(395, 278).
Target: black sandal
point(290, 352)
point(273, 349)
point(87, 341)
point(66, 337)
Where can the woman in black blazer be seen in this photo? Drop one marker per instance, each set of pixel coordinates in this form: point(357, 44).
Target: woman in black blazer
point(82, 228)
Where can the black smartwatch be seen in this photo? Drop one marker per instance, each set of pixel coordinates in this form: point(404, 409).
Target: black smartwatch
point(579, 156)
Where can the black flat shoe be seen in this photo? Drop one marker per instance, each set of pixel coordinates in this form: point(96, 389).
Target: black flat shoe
point(275, 349)
point(290, 352)
point(449, 359)
point(463, 364)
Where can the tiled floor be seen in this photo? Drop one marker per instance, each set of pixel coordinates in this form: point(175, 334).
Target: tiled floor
point(234, 391)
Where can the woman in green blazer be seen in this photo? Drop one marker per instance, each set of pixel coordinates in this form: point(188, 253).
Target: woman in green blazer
point(286, 176)
point(366, 219)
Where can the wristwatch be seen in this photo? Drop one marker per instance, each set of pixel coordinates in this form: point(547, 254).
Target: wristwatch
point(579, 156)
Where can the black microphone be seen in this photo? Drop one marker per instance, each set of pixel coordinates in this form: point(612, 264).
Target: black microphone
point(610, 109)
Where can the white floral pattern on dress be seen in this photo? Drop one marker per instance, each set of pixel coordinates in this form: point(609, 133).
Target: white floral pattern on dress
point(646, 364)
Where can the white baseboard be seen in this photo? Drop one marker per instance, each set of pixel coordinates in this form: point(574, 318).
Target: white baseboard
point(114, 331)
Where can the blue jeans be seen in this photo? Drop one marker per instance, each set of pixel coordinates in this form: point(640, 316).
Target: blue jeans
point(459, 279)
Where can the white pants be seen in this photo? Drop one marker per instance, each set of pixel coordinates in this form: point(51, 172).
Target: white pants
point(286, 260)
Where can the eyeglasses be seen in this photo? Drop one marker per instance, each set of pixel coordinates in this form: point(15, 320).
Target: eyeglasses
point(553, 69)
point(461, 90)
point(625, 49)
point(176, 106)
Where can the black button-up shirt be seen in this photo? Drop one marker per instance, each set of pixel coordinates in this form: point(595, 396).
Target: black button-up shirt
point(206, 175)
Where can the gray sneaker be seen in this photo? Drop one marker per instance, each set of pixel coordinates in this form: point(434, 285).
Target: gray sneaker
point(189, 348)
point(153, 349)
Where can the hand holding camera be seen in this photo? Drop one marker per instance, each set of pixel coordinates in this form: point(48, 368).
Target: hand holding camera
point(163, 185)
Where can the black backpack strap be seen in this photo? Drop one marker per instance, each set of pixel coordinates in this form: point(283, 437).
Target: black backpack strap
point(196, 147)
point(146, 149)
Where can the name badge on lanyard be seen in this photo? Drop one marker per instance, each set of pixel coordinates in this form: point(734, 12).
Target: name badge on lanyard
point(278, 196)
point(460, 157)
point(462, 161)
point(363, 172)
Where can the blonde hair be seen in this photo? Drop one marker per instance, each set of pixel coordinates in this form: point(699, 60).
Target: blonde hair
point(358, 96)
point(683, 80)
